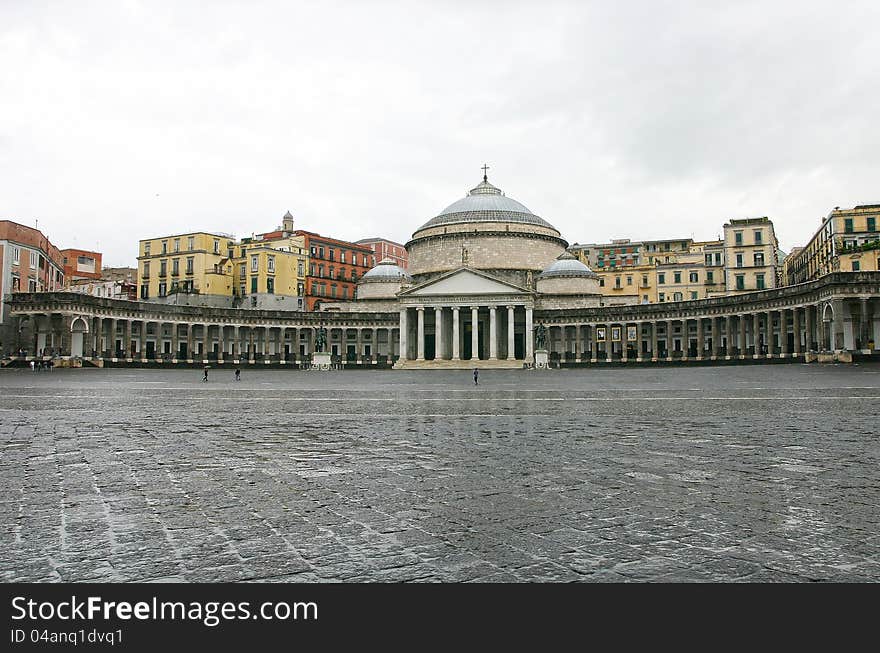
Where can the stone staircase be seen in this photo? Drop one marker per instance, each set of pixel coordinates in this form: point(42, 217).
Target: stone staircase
point(458, 365)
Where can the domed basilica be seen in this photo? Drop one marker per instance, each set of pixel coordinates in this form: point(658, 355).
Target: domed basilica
point(477, 272)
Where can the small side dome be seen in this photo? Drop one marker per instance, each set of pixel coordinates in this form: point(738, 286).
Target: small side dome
point(567, 265)
point(386, 270)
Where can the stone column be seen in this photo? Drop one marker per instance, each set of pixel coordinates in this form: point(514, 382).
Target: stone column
point(609, 343)
point(530, 336)
point(439, 344)
point(769, 332)
point(403, 326)
point(864, 335)
point(808, 328)
point(577, 342)
point(742, 334)
point(654, 341)
point(624, 343)
point(97, 337)
point(756, 333)
point(493, 335)
point(126, 345)
point(511, 347)
point(456, 339)
point(175, 340)
point(143, 348)
point(420, 334)
point(359, 344)
point(783, 332)
point(838, 339)
point(475, 333)
point(716, 338)
point(796, 327)
point(252, 349)
point(701, 345)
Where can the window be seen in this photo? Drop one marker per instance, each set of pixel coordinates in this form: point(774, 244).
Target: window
point(254, 285)
point(332, 273)
point(739, 260)
point(177, 244)
point(662, 296)
point(175, 267)
point(270, 263)
point(759, 237)
point(16, 255)
point(710, 276)
point(163, 267)
point(759, 281)
point(164, 246)
point(848, 225)
point(717, 258)
point(255, 263)
point(162, 288)
point(320, 252)
point(216, 246)
point(342, 257)
point(270, 285)
point(872, 224)
point(661, 278)
point(677, 277)
point(145, 291)
point(644, 281)
point(677, 297)
point(629, 280)
point(146, 269)
point(191, 243)
point(299, 268)
point(759, 259)
point(146, 249)
point(694, 294)
point(333, 290)
point(617, 282)
point(312, 269)
point(708, 259)
point(321, 271)
point(694, 277)
point(190, 261)
point(601, 282)
point(855, 266)
point(738, 237)
point(331, 253)
point(740, 282)
point(33, 259)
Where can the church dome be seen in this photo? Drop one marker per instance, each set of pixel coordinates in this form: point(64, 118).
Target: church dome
point(485, 203)
point(567, 266)
point(386, 270)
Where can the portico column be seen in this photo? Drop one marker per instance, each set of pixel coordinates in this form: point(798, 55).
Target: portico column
point(403, 326)
point(475, 333)
point(577, 342)
point(624, 343)
point(530, 337)
point(456, 339)
point(796, 327)
point(493, 335)
point(808, 328)
point(864, 335)
point(510, 332)
point(252, 353)
point(769, 331)
point(783, 332)
point(742, 335)
point(439, 340)
point(716, 339)
point(609, 342)
point(97, 337)
point(420, 335)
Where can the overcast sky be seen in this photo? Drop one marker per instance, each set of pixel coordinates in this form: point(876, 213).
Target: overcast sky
point(128, 120)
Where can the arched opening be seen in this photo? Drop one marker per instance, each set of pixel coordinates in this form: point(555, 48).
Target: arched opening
point(77, 330)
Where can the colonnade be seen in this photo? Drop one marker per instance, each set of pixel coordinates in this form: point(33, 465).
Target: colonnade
point(467, 332)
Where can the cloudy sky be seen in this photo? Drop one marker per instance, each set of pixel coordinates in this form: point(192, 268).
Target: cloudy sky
point(127, 120)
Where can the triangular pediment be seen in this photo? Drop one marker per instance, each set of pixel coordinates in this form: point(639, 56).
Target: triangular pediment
point(464, 282)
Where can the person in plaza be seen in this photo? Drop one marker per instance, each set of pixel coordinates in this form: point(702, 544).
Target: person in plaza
point(33, 366)
point(206, 374)
point(476, 376)
point(237, 374)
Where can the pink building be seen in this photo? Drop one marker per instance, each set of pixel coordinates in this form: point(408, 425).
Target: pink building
point(387, 249)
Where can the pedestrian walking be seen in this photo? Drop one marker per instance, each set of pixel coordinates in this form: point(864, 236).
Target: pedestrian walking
point(206, 374)
point(237, 374)
point(476, 376)
point(33, 366)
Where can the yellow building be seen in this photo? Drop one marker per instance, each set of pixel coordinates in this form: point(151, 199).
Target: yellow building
point(270, 268)
point(187, 263)
point(636, 281)
point(845, 237)
point(750, 253)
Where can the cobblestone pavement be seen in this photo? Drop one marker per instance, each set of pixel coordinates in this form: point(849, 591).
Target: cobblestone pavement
point(753, 473)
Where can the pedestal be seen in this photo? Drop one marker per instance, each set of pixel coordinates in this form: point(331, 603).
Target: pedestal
point(541, 359)
point(321, 360)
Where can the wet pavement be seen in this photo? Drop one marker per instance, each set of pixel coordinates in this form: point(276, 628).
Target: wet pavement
point(755, 473)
